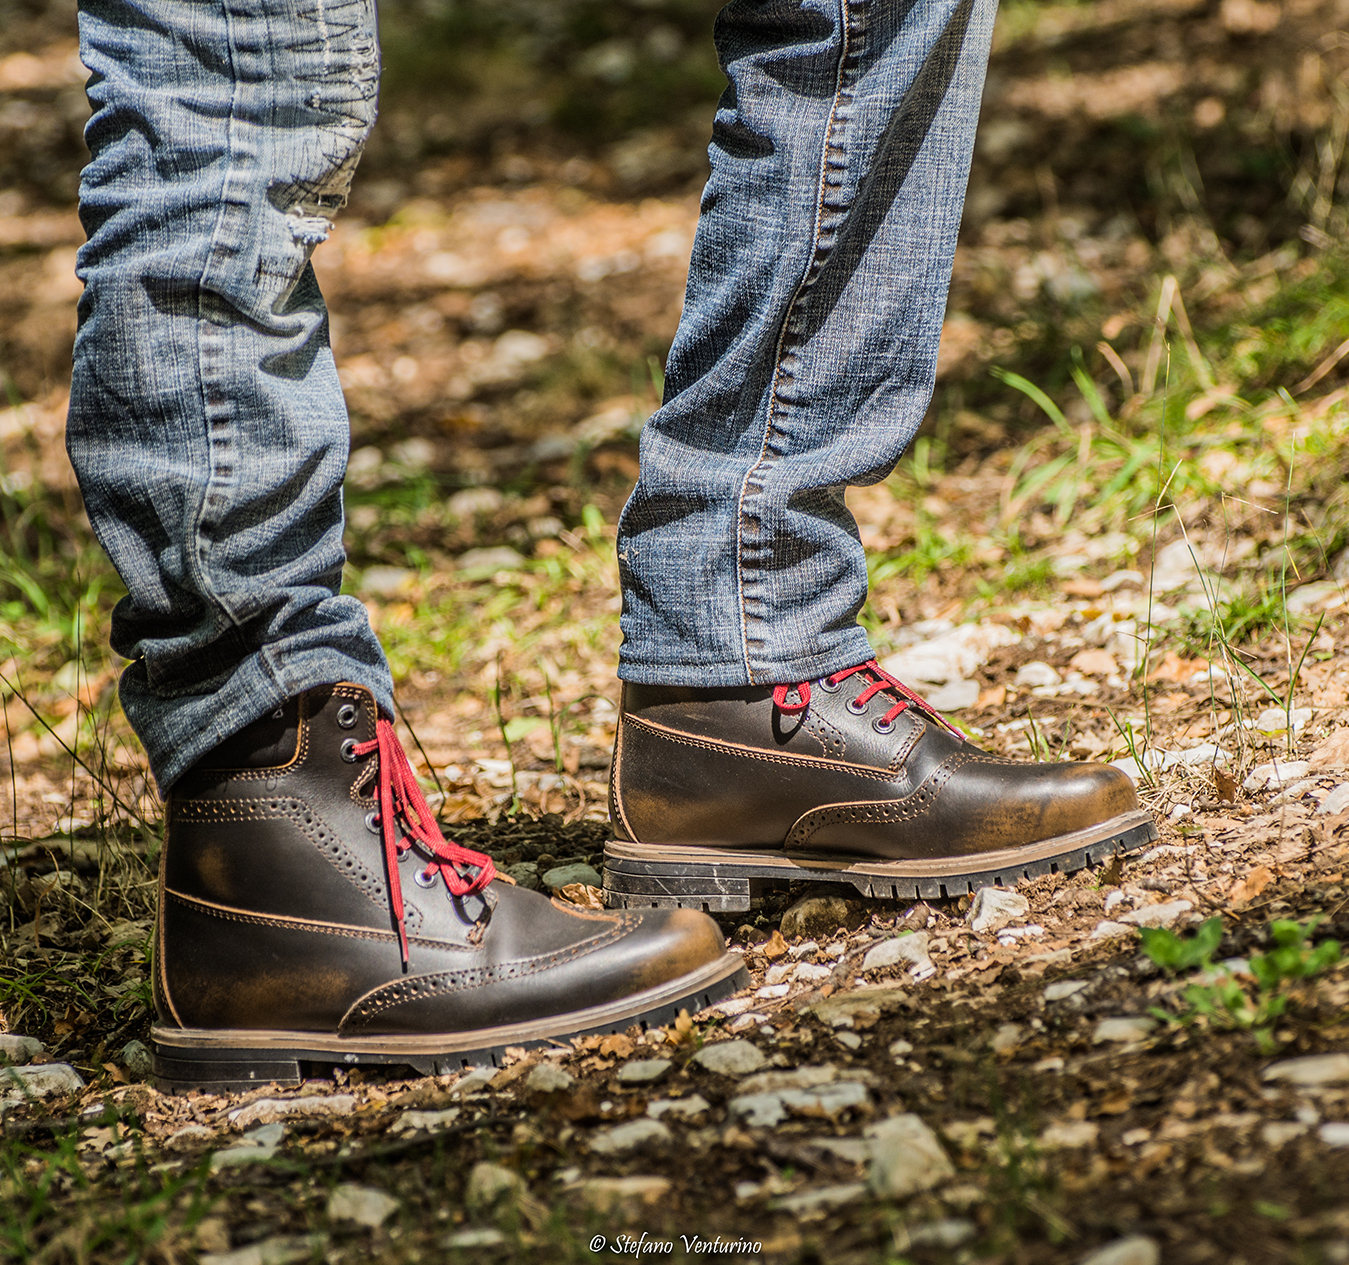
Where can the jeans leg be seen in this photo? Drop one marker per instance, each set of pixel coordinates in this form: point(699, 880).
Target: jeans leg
point(805, 358)
point(207, 425)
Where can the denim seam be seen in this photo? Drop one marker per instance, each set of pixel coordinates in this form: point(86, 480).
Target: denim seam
point(834, 137)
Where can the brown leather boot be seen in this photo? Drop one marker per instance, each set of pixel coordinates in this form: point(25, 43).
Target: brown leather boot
point(311, 913)
point(851, 779)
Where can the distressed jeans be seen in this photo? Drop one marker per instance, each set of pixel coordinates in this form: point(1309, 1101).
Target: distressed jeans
point(207, 425)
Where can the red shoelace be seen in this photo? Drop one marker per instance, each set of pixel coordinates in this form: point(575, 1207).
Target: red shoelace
point(401, 799)
point(879, 682)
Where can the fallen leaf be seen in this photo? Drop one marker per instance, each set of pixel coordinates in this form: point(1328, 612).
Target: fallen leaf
point(1333, 753)
point(583, 895)
point(1174, 668)
point(1112, 871)
point(1082, 588)
point(617, 1044)
point(1094, 663)
point(118, 1074)
point(1225, 785)
point(1248, 888)
point(683, 1027)
point(775, 946)
point(1116, 1105)
point(994, 696)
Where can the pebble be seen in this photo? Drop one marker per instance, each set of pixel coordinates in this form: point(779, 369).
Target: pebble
point(1275, 720)
point(815, 915)
point(1069, 1135)
point(771, 992)
point(636, 1135)
point(759, 1111)
point(829, 1101)
point(806, 1077)
point(1312, 1069)
point(803, 949)
point(137, 1060)
point(268, 1109)
point(866, 1004)
point(1275, 1133)
point(780, 971)
point(280, 1250)
point(1334, 1133)
point(898, 1049)
point(19, 1049)
point(188, 1137)
point(365, 1205)
point(848, 1040)
point(1062, 989)
point(850, 1150)
point(430, 1121)
point(682, 1108)
point(954, 696)
point(483, 1236)
point(40, 1081)
point(811, 1204)
point(525, 874)
point(1035, 674)
point(1337, 801)
point(624, 1194)
point(488, 1182)
point(1106, 928)
point(1123, 1028)
point(1162, 915)
point(643, 1071)
point(1277, 773)
point(1006, 1038)
point(949, 654)
point(811, 973)
point(905, 1157)
point(548, 1078)
point(949, 1233)
point(232, 1156)
point(1137, 1249)
point(565, 875)
point(266, 1134)
point(491, 558)
point(993, 907)
point(910, 950)
point(730, 1058)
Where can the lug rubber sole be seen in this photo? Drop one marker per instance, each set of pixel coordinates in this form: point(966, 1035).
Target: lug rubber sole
point(222, 1061)
point(722, 880)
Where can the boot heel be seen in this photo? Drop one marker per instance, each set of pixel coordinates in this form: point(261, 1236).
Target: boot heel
point(219, 1071)
point(632, 884)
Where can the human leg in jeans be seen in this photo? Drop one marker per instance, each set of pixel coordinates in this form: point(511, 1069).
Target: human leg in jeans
point(757, 733)
point(310, 910)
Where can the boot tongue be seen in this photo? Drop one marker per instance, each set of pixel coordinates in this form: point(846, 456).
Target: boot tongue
point(265, 744)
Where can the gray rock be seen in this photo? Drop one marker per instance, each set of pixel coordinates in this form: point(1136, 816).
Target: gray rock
point(812, 973)
point(848, 1040)
point(1337, 801)
point(1069, 1135)
point(1162, 915)
point(731, 1058)
point(1137, 1249)
point(280, 1250)
point(759, 1111)
point(905, 1157)
point(680, 1108)
point(954, 696)
point(548, 1078)
point(566, 875)
point(1036, 674)
point(899, 1048)
point(1062, 989)
point(1006, 1038)
point(1277, 1133)
point(1276, 774)
point(365, 1205)
point(19, 1049)
point(623, 1195)
point(491, 558)
point(189, 1138)
point(233, 1156)
point(265, 1110)
point(642, 1134)
point(136, 1059)
point(266, 1134)
point(1108, 928)
point(425, 1121)
point(474, 1081)
point(1334, 1133)
point(828, 1101)
point(386, 581)
point(643, 1071)
point(910, 950)
point(488, 1182)
point(1313, 1069)
point(44, 1080)
point(994, 907)
point(948, 1233)
point(806, 1077)
point(849, 1150)
point(525, 874)
point(843, 1010)
point(810, 1204)
point(483, 1236)
point(1123, 1028)
point(816, 916)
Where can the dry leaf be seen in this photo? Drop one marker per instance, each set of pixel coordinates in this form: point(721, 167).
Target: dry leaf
point(775, 946)
point(1112, 871)
point(1082, 588)
point(1094, 663)
point(1174, 668)
point(994, 696)
point(1248, 888)
point(118, 1074)
point(1225, 785)
point(1333, 753)
point(683, 1028)
point(617, 1044)
point(1116, 1105)
point(583, 895)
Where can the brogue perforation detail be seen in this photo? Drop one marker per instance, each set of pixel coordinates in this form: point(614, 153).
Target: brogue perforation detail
point(877, 812)
point(830, 737)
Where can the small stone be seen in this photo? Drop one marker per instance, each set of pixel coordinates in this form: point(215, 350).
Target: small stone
point(810, 1205)
point(1006, 1038)
point(1037, 674)
point(681, 1108)
point(491, 558)
point(994, 907)
point(280, 1250)
point(386, 581)
point(849, 1040)
point(41, 1081)
point(812, 973)
point(1069, 1135)
point(488, 1182)
point(483, 1236)
point(806, 947)
point(137, 1060)
point(1276, 773)
point(189, 1138)
point(954, 696)
point(759, 1111)
point(1334, 1133)
point(233, 1156)
point(815, 916)
point(850, 1150)
point(905, 1157)
point(565, 875)
point(1061, 990)
point(806, 1077)
point(474, 1081)
point(1312, 1069)
point(525, 874)
point(1126, 1028)
point(779, 972)
point(643, 1071)
point(1137, 1249)
point(1277, 1133)
point(365, 1205)
point(771, 992)
point(425, 1121)
point(829, 1101)
point(266, 1134)
point(1107, 929)
point(265, 1110)
point(898, 1049)
point(1275, 720)
point(643, 1134)
point(948, 1234)
point(1336, 802)
point(17, 1049)
point(910, 950)
point(548, 1078)
point(730, 1058)
point(859, 1007)
point(624, 1194)
point(1162, 915)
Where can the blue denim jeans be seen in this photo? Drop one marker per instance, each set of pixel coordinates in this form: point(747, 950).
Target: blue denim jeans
point(207, 425)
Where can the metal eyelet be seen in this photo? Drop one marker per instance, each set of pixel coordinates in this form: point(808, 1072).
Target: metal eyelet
point(347, 715)
point(881, 727)
point(349, 751)
point(851, 705)
point(823, 684)
point(423, 879)
point(372, 823)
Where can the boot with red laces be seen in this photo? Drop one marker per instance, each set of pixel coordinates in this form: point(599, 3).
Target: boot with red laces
point(851, 778)
point(312, 915)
